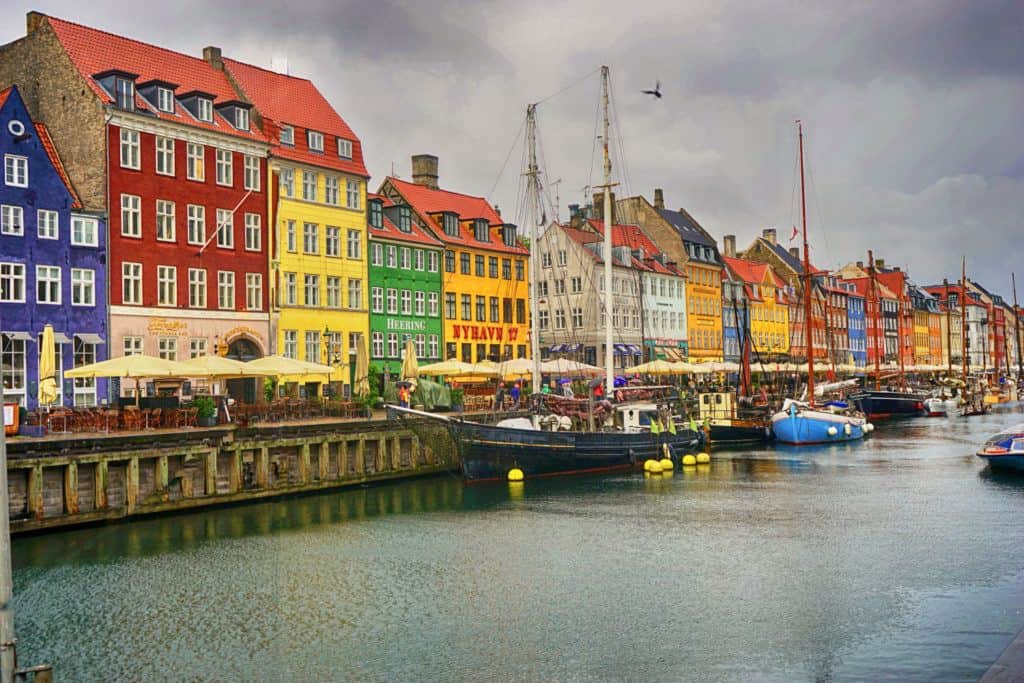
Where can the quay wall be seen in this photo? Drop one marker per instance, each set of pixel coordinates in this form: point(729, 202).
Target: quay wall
point(62, 482)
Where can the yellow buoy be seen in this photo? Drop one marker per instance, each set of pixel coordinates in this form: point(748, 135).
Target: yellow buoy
point(666, 464)
point(647, 464)
point(655, 467)
point(515, 474)
point(689, 460)
point(703, 458)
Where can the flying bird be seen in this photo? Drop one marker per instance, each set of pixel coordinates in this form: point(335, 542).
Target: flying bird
point(656, 92)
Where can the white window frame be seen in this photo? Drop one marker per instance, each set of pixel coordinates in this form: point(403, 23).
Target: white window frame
point(12, 279)
point(290, 345)
point(226, 289)
point(253, 232)
point(197, 288)
point(310, 238)
point(225, 160)
point(332, 241)
point(225, 229)
point(291, 289)
point(355, 293)
point(376, 299)
point(309, 183)
point(164, 153)
point(333, 291)
point(195, 167)
point(131, 215)
point(131, 275)
point(166, 286)
point(165, 99)
point(241, 118)
point(13, 220)
point(315, 140)
point(83, 287)
point(84, 231)
point(130, 149)
point(353, 193)
point(354, 244)
point(47, 224)
point(163, 217)
point(251, 176)
point(311, 290)
point(253, 291)
point(204, 109)
point(332, 183)
point(287, 135)
point(44, 274)
point(132, 345)
point(196, 224)
point(167, 347)
point(291, 237)
point(15, 170)
point(376, 254)
point(344, 148)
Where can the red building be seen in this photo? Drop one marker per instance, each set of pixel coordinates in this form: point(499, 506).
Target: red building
point(161, 142)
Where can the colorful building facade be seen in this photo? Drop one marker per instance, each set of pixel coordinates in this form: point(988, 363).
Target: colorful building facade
point(768, 309)
point(405, 287)
point(52, 266)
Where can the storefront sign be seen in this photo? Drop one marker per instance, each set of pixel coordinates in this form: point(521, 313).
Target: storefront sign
point(495, 333)
point(242, 331)
point(407, 325)
point(166, 327)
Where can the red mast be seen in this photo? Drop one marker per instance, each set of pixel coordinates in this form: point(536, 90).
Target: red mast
point(807, 275)
point(878, 319)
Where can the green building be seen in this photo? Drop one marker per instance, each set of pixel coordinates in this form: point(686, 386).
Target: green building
point(405, 286)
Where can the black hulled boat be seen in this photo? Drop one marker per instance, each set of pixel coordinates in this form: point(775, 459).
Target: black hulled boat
point(879, 403)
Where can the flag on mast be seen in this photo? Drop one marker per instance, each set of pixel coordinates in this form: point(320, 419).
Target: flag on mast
point(794, 234)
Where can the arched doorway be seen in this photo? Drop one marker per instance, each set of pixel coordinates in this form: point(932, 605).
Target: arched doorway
point(245, 390)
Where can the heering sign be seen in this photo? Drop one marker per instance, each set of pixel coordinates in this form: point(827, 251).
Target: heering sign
point(485, 333)
point(408, 325)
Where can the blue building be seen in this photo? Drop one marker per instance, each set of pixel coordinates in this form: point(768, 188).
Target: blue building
point(735, 316)
point(52, 265)
point(857, 321)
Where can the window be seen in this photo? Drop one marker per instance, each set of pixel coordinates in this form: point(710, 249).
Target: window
point(577, 317)
point(432, 304)
point(560, 319)
point(225, 289)
point(197, 347)
point(311, 290)
point(85, 387)
point(577, 285)
point(224, 167)
point(46, 224)
point(310, 238)
point(417, 259)
point(344, 148)
point(253, 291)
point(355, 293)
point(377, 345)
point(467, 307)
point(196, 224)
point(84, 232)
point(130, 149)
point(287, 135)
point(506, 310)
point(12, 282)
point(377, 299)
point(542, 319)
point(165, 99)
point(197, 288)
point(204, 106)
point(449, 305)
point(48, 284)
point(165, 220)
point(291, 344)
point(481, 309)
point(331, 184)
point(420, 345)
point(545, 259)
point(309, 186)
point(520, 311)
point(13, 221)
point(406, 302)
point(464, 266)
point(432, 346)
point(420, 303)
point(352, 193)
point(131, 283)
point(12, 363)
point(166, 286)
point(492, 266)
point(132, 346)
point(291, 289)
point(479, 263)
point(392, 345)
point(404, 261)
point(561, 257)
point(519, 270)
point(334, 291)
point(164, 155)
point(449, 261)
point(480, 231)
point(83, 287)
point(225, 229)
point(431, 261)
point(494, 310)
point(287, 178)
point(355, 244)
point(392, 256)
point(253, 238)
point(376, 254)
point(542, 288)
point(131, 216)
point(15, 170)
point(506, 269)
point(376, 214)
point(559, 286)
point(315, 140)
point(241, 118)
point(392, 300)
point(404, 219)
point(251, 177)
point(195, 162)
point(167, 347)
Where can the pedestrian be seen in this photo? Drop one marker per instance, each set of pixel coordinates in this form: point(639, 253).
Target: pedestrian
point(515, 393)
point(403, 395)
point(499, 397)
point(598, 392)
point(567, 389)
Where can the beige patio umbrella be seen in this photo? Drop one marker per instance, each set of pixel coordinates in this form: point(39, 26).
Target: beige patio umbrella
point(658, 367)
point(448, 368)
point(565, 367)
point(219, 367)
point(282, 366)
point(47, 369)
point(516, 369)
point(134, 367)
point(410, 368)
point(361, 380)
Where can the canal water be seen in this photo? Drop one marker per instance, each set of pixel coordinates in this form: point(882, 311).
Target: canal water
point(900, 558)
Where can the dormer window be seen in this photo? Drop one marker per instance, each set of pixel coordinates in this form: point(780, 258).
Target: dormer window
point(204, 109)
point(480, 231)
point(508, 235)
point(404, 219)
point(376, 214)
point(451, 224)
point(165, 100)
point(344, 148)
point(315, 140)
point(124, 93)
point(287, 135)
point(241, 118)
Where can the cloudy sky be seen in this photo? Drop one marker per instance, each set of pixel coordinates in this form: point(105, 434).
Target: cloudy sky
point(913, 111)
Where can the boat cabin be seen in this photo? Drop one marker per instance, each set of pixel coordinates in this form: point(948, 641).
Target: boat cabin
point(717, 406)
point(636, 417)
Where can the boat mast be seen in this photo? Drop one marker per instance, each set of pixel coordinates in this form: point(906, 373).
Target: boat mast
point(963, 317)
point(532, 196)
point(879, 349)
point(807, 275)
point(1016, 329)
point(609, 358)
point(949, 331)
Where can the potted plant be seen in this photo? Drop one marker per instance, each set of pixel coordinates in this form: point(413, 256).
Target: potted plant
point(457, 399)
point(206, 411)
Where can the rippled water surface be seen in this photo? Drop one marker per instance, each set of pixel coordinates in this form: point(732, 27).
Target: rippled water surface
point(897, 558)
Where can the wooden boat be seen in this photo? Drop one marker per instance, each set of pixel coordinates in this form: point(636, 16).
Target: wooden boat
point(1005, 450)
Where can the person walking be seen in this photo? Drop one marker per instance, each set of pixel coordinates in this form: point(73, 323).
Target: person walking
point(515, 394)
point(499, 397)
point(403, 395)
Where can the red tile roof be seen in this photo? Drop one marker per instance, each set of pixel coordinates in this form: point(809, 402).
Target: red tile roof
point(427, 202)
point(4, 93)
point(284, 99)
point(51, 151)
point(633, 237)
point(93, 51)
point(390, 231)
point(584, 237)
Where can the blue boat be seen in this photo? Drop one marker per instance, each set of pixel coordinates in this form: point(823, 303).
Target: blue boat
point(800, 424)
point(1005, 450)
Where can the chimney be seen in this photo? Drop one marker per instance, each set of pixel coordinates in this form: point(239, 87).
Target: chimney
point(659, 198)
point(599, 206)
point(573, 210)
point(424, 170)
point(897, 269)
point(729, 245)
point(879, 263)
point(211, 55)
point(770, 235)
point(795, 252)
point(34, 21)
point(860, 264)
point(497, 210)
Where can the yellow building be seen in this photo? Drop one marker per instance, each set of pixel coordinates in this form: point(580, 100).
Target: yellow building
point(485, 271)
point(318, 268)
point(768, 306)
point(704, 310)
point(922, 342)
